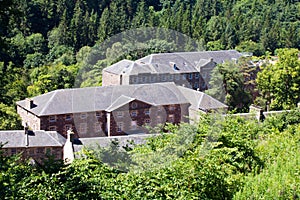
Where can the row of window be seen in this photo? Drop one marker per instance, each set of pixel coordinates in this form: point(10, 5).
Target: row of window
point(82, 127)
point(68, 117)
point(147, 122)
point(98, 125)
point(34, 151)
point(134, 113)
point(170, 77)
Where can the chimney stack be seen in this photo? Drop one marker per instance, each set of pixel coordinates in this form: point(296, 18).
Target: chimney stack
point(26, 134)
point(29, 103)
point(68, 148)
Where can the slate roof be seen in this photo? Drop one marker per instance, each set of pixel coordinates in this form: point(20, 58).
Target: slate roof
point(17, 139)
point(126, 67)
point(191, 58)
point(201, 101)
point(106, 141)
point(101, 98)
point(118, 67)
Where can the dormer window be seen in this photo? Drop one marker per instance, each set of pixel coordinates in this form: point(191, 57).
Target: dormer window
point(174, 66)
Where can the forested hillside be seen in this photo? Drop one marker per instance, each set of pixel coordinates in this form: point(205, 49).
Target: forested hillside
point(44, 43)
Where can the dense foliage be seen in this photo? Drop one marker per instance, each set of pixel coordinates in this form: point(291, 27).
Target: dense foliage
point(221, 158)
point(279, 83)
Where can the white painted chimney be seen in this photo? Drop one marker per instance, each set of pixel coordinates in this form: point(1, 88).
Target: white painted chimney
point(68, 148)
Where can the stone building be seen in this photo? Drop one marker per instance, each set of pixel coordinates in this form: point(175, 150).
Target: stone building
point(188, 69)
point(111, 110)
point(128, 72)
point(36, 145)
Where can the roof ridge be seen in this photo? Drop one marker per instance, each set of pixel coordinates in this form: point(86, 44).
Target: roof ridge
point(52, 137)
point(201, 98)
point(48, 102)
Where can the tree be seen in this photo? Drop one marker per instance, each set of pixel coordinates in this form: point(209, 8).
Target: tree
point(9, 119)
point(227, 79)
point(279, 83)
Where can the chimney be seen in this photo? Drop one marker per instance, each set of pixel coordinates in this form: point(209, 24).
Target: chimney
point(70, 134)
point(29, 103)
point(26, 134)
point(68, 148)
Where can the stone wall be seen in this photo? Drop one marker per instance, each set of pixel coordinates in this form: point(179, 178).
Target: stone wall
point(110, 79)
point(37, 153)
point(29, 118)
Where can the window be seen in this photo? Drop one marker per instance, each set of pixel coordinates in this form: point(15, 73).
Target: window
point(144, 79)
point(171, 118)
point(31, 151)
point(140, 79)
point(68, 117)
point(133, 113)
point(153, 79)
point(171, 77)
point(97, 127)
point(177, 77)
point(163, 78)
point(52, 118)
point(133, 125)
point(119, 126)
point(147, 112)
point(134, 80)
point(52, 128)
point(197, 76)
point(98, 114)
point(13, 151)
point(133, 105)
point(83, 115)
point(83, 128)
point(171, 107)
point(204, 74)
point(119, 113)
point(147, 122)
point(40, 150)
point(190, 76)
point(196, 85)
point(184, 77)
